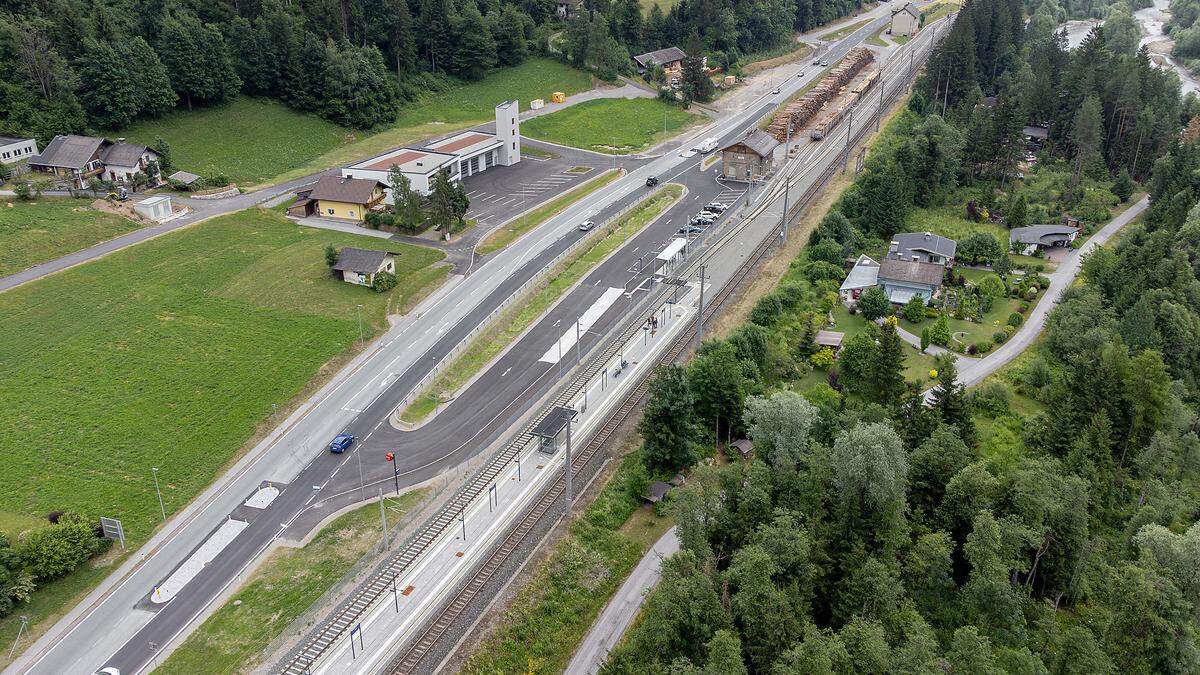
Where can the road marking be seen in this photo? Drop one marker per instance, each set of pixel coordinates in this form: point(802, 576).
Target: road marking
point(505, 371)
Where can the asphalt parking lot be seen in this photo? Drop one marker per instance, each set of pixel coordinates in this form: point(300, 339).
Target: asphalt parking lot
point(503, 192)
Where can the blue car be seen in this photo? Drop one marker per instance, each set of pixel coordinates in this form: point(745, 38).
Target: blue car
point(341, 443)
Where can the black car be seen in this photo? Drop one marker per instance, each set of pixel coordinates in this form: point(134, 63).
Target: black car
point(652, 181)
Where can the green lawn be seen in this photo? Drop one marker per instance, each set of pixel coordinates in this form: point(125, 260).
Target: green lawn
point(34, 232)
point(169, 354)
point(519, 226)
point(256, 141)
point(993, 320)
point(251, 140)
point(615, 126)
point(283, 587)
point(916, 364)
point(951, 221)
point(521, 315)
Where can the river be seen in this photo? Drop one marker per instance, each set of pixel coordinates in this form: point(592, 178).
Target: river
point(1152, 20)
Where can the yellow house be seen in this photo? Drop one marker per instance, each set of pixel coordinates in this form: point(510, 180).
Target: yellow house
point(346, 198)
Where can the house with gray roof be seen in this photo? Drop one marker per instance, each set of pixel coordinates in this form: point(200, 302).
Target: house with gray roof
point(922, 247)
point(905, 21)
point(76, 159)
point(864, 275)
point(1029, 240)
point(359, 265)
point(903, 279)
point(669, 59)
point(749, 158)
point(15, 149)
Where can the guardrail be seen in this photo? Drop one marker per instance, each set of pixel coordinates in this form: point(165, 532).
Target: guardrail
point(300, 660)
point(519, 294)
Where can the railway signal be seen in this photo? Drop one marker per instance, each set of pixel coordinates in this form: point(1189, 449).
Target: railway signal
point(391, 457)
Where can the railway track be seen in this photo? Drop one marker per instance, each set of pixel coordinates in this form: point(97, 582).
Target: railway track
point(410, 659)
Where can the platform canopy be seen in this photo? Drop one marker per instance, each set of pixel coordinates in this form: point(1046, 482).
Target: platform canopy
point(672, 249)
point(554, 422)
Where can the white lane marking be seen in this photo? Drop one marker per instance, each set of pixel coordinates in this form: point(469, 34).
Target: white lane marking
point(505, 372)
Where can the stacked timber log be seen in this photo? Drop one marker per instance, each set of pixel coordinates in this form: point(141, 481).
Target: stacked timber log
point(801, 111)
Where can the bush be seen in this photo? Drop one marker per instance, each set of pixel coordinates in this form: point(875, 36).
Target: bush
point(982, 347)
point(331, 255)
point(1023, 308)
point(767, 310)
point(1031, 293)
point(217, 179)
point(22, 190)
point(914, 310)
point(57, 550)
point(823, 358)
point(1015, 319)
point(999, 336)
point(991, 397)
point(972, 350)
point(384, 282)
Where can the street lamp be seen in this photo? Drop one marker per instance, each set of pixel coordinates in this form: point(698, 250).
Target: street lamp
point(391, 457)
point(163, 509)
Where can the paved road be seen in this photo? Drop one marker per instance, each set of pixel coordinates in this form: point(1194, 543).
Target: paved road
point(115, 626)
point(203, 209)
point(620, 611)
point(974, 371)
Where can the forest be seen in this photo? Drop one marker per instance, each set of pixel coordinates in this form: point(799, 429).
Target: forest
point(71, 66)
point(1044, 522)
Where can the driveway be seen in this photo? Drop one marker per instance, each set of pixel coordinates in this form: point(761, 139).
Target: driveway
point(973, 371)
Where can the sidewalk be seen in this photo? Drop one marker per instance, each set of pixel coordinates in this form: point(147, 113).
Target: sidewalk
point(621, 610)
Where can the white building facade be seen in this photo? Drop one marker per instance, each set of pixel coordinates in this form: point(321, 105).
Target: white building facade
point(13, 150)
point(458, 156)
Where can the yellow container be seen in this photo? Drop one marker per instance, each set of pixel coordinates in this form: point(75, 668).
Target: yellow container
point(558, 97)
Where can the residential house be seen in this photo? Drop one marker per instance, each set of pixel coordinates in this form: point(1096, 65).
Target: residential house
point(906, 21)
point(565, 9)
point(903, 279)
point(1029, 240)
point(346, 198)
point(359, 265)
point(122, 160)
point(13, 150)
point(923, 247)
point(76, 159)
point(669, 59)
point(864, 275)
point(749, 158)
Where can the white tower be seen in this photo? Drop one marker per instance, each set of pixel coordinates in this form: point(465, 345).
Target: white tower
point(508, 132)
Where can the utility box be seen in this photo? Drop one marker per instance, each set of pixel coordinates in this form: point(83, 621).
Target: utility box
point(156, 208)
point(537, 104)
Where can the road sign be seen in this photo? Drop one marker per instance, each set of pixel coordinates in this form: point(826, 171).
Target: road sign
point(113, 530)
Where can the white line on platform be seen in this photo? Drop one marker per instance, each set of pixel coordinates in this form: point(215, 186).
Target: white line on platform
point(586, 321)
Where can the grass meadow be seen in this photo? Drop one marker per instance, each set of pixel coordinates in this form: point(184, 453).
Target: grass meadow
point(614, 126)
point(34, 232)
point(169, 355)
point(256, 141)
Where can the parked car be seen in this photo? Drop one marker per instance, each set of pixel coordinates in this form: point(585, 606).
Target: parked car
point(586, 226)
point(341, 443)
point(703, 218)
point(652, 181)
point(715, 207)
point(775, 91)
point(690, 229)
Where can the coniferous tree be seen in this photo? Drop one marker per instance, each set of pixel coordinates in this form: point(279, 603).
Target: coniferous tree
point(668, 424)
point(950, 400)
point(474, 51)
